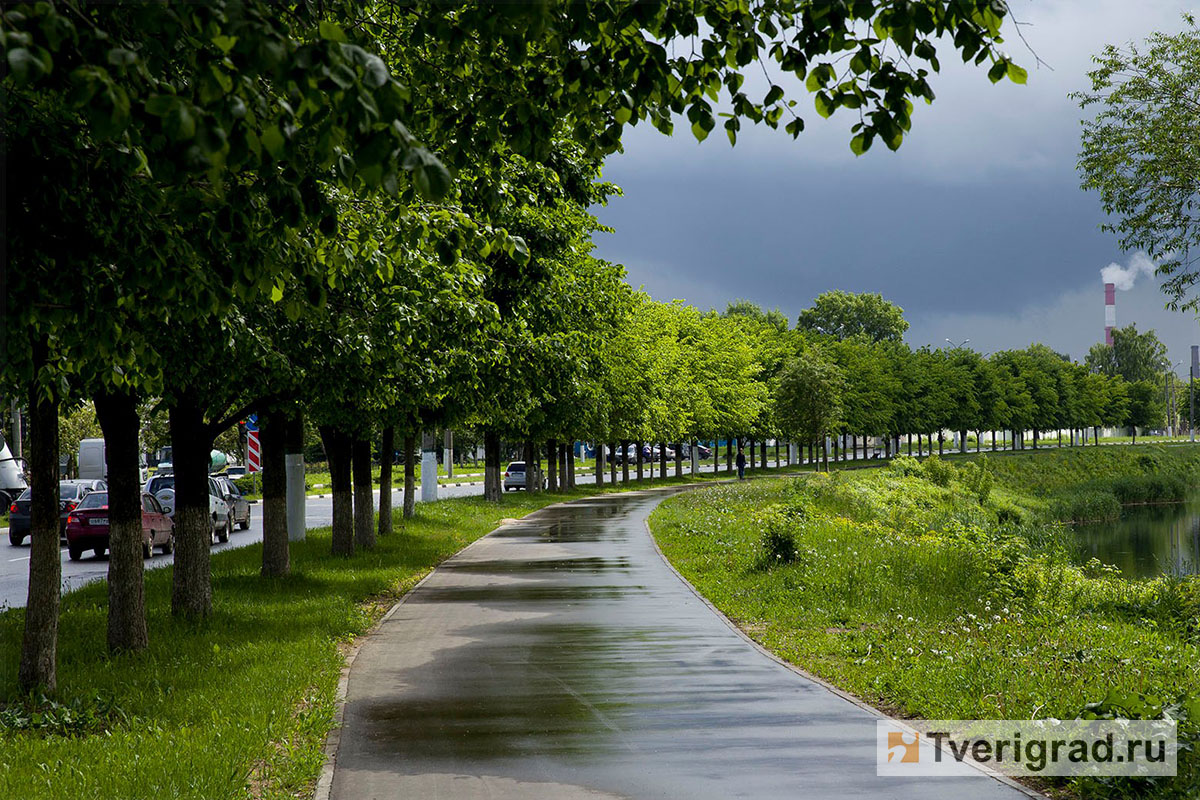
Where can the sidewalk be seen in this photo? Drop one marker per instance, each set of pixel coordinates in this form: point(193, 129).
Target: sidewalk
point(561, 657)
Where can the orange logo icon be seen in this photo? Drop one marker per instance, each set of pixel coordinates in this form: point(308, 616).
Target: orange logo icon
point(903, 748)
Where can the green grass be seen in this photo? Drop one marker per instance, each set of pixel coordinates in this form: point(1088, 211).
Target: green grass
point(918, 598)
point(240, 705)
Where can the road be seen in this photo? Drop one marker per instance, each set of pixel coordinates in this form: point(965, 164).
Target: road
point(561, 658)
point(14, 561)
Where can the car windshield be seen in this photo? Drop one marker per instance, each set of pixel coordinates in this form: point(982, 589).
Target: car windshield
point(160, 482)
point(516, 466)
point(95, 500)
point(69, 491)
point(25, 495)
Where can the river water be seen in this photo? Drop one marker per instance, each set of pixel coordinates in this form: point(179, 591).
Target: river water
point(1148, 540)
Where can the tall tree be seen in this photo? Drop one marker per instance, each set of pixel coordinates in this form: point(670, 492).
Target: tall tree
point(1134, 356)
point(844, 314)
point(1140, 151)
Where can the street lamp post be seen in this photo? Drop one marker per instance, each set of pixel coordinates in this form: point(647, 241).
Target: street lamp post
point(961, 344)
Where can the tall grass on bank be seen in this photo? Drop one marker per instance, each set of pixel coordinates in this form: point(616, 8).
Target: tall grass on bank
point(923, 599)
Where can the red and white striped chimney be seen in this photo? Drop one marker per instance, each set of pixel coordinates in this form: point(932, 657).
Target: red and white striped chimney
point(1110, 311)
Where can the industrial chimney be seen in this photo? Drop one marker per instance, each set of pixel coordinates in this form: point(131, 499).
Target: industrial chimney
point(1110, 311)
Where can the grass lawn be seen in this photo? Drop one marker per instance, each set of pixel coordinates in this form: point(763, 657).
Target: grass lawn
point(240, 705)
point(918, 598)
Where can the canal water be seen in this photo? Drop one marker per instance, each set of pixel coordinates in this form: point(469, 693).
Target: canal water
point(1148, 540)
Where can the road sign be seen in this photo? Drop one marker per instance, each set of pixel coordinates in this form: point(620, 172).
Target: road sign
point(253, 451)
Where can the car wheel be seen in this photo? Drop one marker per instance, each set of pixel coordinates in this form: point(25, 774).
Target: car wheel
point(74, 553)
point(244, 525)
point(99, 551)
point(169, 545)
point(223, 533)
point(15, 539)
point(148, 549)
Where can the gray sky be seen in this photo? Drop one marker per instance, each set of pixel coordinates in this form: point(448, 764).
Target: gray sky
point(976, 227)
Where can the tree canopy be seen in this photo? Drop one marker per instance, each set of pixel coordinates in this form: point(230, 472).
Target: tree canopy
point(845, 314)
point(1141, 151)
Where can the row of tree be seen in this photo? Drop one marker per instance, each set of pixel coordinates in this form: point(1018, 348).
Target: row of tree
point(371, 213)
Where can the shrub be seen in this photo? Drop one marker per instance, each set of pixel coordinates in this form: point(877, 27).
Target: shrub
point(905, 466)
point(937, 471)
point(977, 477)
point(245, 484)
point(778, 542)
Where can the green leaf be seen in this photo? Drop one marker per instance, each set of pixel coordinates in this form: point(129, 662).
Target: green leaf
point(25, 65)
point(224, 43)
point(860, 144)
point(120, 57)
point(331, 31)
point(699, 131)
point(998, 71)
point(823, 104)
point(1017, 74)
point(159, 105)
point(272, 139)
point(376, 74)
point(623, 115)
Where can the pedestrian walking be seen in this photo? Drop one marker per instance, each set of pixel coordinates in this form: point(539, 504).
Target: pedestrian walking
point(741, 463)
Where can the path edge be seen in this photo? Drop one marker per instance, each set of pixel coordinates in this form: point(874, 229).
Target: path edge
point(842, 693)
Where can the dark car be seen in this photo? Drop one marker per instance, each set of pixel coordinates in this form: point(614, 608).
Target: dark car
point(87, 527)
point(70, 493)
point(239, 506)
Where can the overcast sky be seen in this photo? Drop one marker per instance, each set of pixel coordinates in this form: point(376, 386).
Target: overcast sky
point(977, 227)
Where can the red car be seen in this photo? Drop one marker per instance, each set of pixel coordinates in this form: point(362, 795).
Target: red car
point(87, 527)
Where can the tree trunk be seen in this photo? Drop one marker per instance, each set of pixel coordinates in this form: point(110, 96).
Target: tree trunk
point(551, 465)
point(387, 454)
point(599, 459)
point(612, 462)
point(625, 461)
point(410, 473)
point(273, 438)
point(493, 488)
point(191, 449)
point(729, 447)
point(641, 460)
point(338, 450)
point(364, 495)
point(297, 496)
point(571, 466)
point(533, 467)
point(825, 452)
point(39, 640)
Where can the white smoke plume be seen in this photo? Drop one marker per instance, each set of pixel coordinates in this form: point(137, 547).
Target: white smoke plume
point(1124, 277)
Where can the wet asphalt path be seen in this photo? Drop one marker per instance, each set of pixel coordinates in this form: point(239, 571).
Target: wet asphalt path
point(560, 657)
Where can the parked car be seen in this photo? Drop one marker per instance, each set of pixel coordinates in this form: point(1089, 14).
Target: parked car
point(240, 506)
point(515, 476)
point(656, 453)
point(88, 528)
point(70, 493)
point(235, 472)
point(220, 516)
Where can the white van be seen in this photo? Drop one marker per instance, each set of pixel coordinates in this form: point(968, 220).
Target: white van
point(93, 462)
point(12, 478)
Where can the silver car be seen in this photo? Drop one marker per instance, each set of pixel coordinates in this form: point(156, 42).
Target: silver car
point(219, 511)
point(514, 476)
